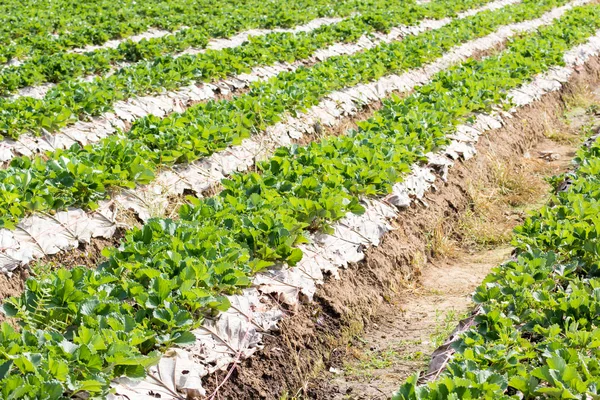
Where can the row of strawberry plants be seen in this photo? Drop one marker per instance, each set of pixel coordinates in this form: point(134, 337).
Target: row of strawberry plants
point(82, 176)
point(45, 28)
point(72, 100)
point(288, 47)
point(83, 327)
point(26, 28)
point(539, 330)
point(41, 19)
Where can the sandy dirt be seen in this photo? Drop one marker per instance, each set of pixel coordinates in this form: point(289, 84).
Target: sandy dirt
point(399, 342)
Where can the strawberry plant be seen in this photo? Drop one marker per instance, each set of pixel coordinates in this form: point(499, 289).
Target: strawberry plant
point(37, 28)
point(73, 99)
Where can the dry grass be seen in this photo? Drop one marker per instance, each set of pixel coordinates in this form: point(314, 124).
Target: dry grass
point(498, 200)
point(562, 134)
point(563, 137)
point(482, 226)
point(583, 109)
point(580, 96)
point(439, 244)
point(127, 217)
point(418, 262)
point(516, 182)
point(497, 203)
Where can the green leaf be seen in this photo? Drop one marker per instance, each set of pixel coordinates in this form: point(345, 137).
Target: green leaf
point(294, 257)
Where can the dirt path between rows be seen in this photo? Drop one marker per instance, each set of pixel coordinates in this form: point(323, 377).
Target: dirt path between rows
point(407, 330)
point(399, 342)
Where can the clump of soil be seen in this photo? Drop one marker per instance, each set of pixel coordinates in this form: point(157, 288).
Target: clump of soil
point(10, 286)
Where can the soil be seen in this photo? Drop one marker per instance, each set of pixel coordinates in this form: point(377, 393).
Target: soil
point(11, 286)
point(366, 332)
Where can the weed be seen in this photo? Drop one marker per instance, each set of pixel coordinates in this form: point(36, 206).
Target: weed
point(444, 325)
point(376, 360)
point(579, 96)
point(562, 137)
point(514, 181)
point(413, 342)
point(480, 225)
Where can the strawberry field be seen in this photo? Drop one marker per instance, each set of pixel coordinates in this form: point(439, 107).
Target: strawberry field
point(178, 177)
